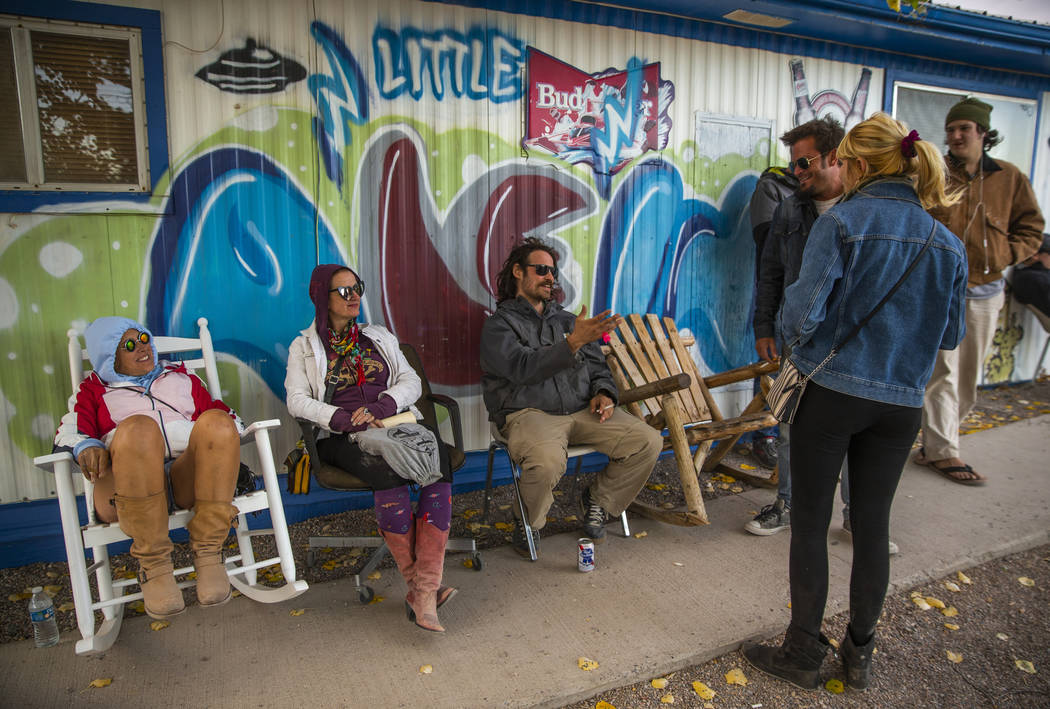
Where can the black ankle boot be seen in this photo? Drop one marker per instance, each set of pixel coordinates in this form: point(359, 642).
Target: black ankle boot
point(856, 659)
point(797, 661)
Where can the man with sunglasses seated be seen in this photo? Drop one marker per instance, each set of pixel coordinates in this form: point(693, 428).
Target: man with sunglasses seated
point(151, 439)
point(546, 386)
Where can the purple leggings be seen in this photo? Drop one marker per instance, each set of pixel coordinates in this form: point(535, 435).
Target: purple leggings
point(394, 507)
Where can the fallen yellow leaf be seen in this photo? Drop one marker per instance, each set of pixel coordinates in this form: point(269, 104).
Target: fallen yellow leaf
point(963, 578)
point(376, 599)
point(66, 607)
point(297, 611)
point(53, 574)
point(99, 683)
point(19, 597)
point(571, 518)
point(375, 576)
point(1025, 581)
point(703, 691)
point(1025, 666)
point(834, 686)
point(639, 535)
point(921, 603)
point(935, 602)
point(467, 514)
point(659, 683)
point(586, 664)
point(951, 626)
point(950, 612)
point(604, 705)
point(667, 699)
point(1002, 636)
point(952, 586)
point(736, 488)
point(426, 670)
point(52, 590)
point(504, 527)
point(954, 656)
point(736, 676)
point(468, 563)
point(655, 486)
point(745, 466)
point(158, 625)
point(137, 606)
point(723, 478)
point(834, 643)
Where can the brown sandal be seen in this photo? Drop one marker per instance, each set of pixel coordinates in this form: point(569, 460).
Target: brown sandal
point(949, 471)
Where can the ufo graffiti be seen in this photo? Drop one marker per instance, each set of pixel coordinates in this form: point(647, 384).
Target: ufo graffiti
point(253, 69)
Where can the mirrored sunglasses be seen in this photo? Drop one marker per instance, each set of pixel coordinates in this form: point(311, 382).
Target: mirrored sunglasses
point(345, 291)
point(803, 163)
point(132, 342)
point(543, 269)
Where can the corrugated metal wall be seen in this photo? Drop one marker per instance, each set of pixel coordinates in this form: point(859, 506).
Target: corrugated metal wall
point(416, 178)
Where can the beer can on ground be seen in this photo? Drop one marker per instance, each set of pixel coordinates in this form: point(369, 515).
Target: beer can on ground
point(586, 560)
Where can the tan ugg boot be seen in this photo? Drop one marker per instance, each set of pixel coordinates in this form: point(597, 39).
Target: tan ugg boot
point(208, 530)
point(145, 520)
point(430, 565)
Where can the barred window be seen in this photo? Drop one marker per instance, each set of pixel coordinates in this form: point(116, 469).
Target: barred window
point(74, 115)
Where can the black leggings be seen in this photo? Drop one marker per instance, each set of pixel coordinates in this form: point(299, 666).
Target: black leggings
point(877, 437)
point(340, 451)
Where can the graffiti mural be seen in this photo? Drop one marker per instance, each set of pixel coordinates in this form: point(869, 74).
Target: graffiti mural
point(402, 156)
point(604, 120)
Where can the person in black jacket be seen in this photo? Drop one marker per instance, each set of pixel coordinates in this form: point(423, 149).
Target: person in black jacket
point(1031, 283)
point(546, 386)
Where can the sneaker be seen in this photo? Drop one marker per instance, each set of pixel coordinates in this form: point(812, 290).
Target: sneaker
point(894, 549)
point(765, 451)
point(520, 544)
point(771, 519)
point(594, 518)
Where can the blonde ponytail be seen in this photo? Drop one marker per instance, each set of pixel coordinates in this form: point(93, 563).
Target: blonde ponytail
point(884, 145)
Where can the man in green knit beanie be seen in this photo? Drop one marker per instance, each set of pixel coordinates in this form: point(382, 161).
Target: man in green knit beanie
point(999, 221)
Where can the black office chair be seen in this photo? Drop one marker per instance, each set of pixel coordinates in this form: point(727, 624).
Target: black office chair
point(333, 478)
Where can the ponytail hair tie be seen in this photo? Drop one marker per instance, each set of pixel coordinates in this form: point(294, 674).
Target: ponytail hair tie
point(908, 144)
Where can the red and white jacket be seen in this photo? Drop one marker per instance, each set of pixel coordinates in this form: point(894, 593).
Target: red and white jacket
point(175, 400)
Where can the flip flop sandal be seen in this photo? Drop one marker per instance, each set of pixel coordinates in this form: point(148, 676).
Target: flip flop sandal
point(948, 470)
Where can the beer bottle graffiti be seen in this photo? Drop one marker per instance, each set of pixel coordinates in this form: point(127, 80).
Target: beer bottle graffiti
point(803, 108)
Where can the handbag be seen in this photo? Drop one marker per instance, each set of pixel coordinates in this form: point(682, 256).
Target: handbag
point(786, 392)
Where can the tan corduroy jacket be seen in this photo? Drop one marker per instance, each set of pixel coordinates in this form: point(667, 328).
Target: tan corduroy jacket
point(998, 217)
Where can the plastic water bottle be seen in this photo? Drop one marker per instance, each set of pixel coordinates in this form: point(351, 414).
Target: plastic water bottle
point(42, 613)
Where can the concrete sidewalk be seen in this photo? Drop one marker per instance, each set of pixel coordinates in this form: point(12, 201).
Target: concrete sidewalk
point(653, 605)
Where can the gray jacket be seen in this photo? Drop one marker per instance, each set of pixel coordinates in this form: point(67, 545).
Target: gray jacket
point(527, 364)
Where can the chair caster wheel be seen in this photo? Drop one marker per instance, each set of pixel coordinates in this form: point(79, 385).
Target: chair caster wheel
point(365, 594)
point(475, 562)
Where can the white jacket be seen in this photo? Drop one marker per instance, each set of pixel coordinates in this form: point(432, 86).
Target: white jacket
point(308, 366)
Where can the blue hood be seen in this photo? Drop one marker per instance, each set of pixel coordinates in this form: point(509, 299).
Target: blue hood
point(103, 337)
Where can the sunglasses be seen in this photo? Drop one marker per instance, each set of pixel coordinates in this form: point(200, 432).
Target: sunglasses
point(132, 342)
point(543, 269)
point(804, 163)
point(345, 291)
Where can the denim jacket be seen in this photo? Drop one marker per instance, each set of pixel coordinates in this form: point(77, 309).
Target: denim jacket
point(856, 252)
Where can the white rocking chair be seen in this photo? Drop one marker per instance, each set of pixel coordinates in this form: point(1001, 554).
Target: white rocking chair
point(97, 536)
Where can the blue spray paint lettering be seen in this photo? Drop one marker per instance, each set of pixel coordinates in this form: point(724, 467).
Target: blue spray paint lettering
point(479, 64)
point(341, 99)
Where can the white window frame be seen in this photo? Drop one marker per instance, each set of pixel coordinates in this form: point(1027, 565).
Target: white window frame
point(27, 103)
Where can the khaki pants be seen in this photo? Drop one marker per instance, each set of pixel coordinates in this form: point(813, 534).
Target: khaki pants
point(952, 390)
point(538, 441)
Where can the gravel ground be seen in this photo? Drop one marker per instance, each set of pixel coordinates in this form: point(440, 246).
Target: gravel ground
point(1000, 620)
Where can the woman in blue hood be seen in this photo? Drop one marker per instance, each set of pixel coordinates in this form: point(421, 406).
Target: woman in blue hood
point(346, 378)
point(150, 438)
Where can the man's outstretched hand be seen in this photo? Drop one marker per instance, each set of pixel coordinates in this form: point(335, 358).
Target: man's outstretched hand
point(590, 329)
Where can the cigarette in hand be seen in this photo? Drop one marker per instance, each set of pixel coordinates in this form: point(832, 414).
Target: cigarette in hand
point(606, 407)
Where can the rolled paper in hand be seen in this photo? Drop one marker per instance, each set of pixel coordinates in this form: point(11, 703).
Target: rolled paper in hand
point(397, 419)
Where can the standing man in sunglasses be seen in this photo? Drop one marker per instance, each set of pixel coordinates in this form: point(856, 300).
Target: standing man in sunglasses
point(999, 221)
point(813, 163)
point(546, 386)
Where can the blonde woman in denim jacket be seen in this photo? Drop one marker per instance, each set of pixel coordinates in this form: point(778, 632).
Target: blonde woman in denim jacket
point(866, 403)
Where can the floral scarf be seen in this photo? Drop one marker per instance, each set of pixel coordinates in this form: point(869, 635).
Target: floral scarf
point(345, 346)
